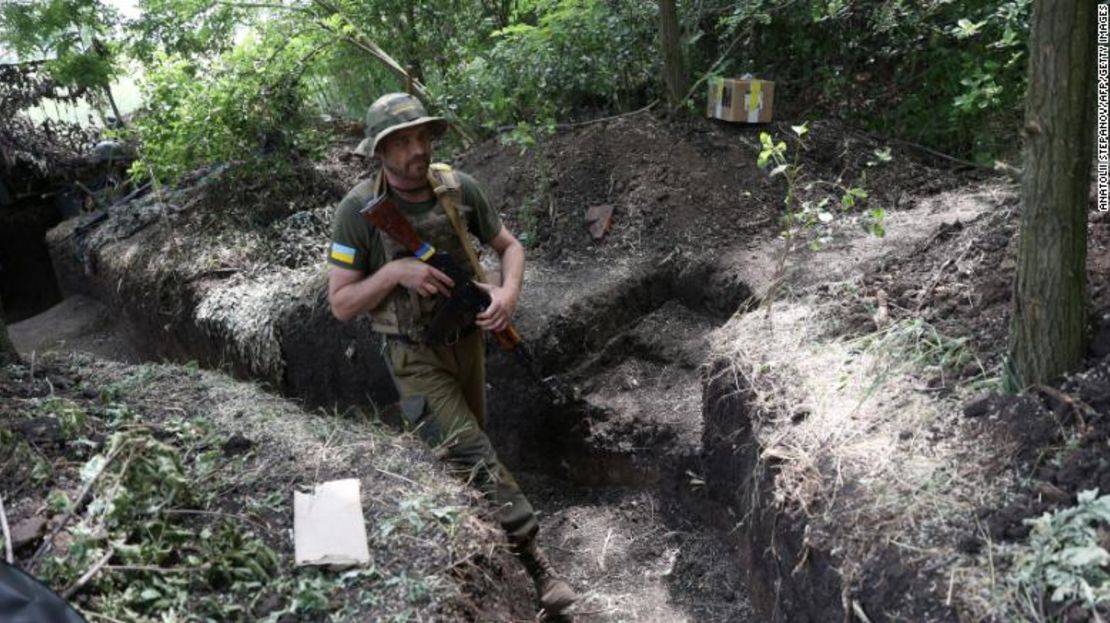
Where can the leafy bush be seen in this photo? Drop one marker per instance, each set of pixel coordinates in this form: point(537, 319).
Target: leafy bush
point(1065, 561)
point(242, 105)
point(578, 55)
point(950, 75)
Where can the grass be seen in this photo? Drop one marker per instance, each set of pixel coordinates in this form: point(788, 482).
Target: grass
point(914, 346)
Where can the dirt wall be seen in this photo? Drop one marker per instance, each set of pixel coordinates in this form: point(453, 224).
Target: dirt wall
point(277, 330)
point(792, 576)
point(26, 283)
point(788, 579)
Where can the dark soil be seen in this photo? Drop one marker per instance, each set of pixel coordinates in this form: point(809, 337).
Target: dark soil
point(677, 186)
point(960, 281)
point(1076, 411)
point(27, 284)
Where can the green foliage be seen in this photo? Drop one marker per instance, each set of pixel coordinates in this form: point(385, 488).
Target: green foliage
point(241, 106)
point(532, 211)
point(576, 55)
point(417, 513)
point(1064, 561)
point(19, 460)
point(70, 415)
point(915, 345)
point(141, 484)
point(76, 36)
point(947, 74)
point(808, 217)
point(183, 28)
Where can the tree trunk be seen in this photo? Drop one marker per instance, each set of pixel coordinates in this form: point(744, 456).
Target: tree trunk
point(6, 348)
point(674, 70)
point(1048, 332)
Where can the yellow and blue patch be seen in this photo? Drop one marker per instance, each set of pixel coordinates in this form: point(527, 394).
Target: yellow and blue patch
point(342, 253)
point(425, 252)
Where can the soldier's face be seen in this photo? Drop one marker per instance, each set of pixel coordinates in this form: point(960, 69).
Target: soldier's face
point(406, 154)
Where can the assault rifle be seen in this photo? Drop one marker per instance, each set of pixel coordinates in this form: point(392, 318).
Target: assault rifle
point(467, 300)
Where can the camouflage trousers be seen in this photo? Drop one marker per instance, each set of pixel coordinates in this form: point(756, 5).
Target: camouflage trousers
point(443, 398)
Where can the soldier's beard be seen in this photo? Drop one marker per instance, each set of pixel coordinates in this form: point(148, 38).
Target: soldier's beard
point(413, 174)
point(418, 166)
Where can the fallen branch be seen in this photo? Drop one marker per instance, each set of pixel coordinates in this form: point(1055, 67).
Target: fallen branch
point(154, 569)
point(857, 609)
point(923, 297)
point(8, 554)
point(68, 593)
point(708, 73)
point(400, 477)
point(89, 613)
point(455, 565)
point(1074, 403)
point(931, 152)
point(242, 518)
point(78, 503)
point(567, 126)
point(604, 550)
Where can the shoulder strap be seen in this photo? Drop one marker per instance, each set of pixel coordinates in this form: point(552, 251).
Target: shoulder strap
point(445, 183)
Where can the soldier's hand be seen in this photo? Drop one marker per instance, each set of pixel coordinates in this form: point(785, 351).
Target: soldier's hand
point(501, 308)
point(421, 278)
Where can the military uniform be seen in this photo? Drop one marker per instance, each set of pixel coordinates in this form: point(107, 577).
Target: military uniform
point(442, 386)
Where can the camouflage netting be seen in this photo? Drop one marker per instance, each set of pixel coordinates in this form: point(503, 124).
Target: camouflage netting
point(241, 316)
point(50, 147)
point(208, 269)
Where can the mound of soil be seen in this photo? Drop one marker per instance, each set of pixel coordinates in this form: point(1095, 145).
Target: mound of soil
point(960, 279)
point(982, 466)
point(678, 186)
point(234, 455)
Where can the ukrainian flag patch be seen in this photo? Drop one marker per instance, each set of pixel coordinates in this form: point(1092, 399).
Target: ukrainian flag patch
point(342, 253)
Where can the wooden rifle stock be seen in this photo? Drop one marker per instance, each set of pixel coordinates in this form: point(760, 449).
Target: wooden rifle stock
point(386, 216)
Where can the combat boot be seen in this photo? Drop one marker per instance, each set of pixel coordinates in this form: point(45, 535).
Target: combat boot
point(554, 593)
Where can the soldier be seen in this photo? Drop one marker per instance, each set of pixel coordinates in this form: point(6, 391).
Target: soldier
point(442, 385)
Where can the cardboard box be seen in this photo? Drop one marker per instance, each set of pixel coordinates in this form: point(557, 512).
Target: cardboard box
point(746, 100)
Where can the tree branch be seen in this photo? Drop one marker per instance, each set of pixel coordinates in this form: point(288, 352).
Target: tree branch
point(49, 542)
point(68, 593)
point(366, 44)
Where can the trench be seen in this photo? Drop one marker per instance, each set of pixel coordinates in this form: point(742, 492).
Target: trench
point(644, 486)
point(29, 206)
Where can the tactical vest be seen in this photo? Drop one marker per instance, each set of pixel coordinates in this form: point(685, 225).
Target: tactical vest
point(405, 312)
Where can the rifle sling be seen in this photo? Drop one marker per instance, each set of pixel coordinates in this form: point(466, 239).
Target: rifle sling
point(444, 185)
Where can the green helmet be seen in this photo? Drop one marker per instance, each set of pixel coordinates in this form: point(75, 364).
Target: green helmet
point(392, 112)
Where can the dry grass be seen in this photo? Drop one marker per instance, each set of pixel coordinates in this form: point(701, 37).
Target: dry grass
point(861, 447)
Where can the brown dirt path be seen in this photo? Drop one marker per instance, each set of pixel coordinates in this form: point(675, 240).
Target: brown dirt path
point(77, 324)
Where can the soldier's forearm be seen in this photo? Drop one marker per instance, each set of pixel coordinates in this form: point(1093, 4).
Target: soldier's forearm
point(363, 295)
point(512, 268)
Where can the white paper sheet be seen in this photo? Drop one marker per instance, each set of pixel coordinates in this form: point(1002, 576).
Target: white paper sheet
point(328, 528)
